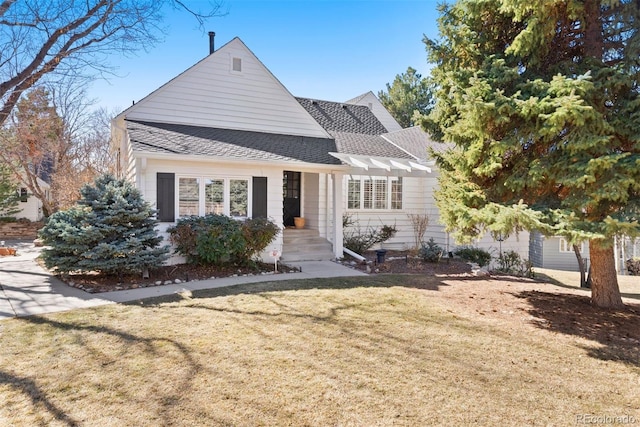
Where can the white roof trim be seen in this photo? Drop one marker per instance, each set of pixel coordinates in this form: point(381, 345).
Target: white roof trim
point(419, 166)
point(357, 163)
point(398, 166)
point(380, 164)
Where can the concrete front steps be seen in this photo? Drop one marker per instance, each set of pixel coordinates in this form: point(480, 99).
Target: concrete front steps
point(305, 245)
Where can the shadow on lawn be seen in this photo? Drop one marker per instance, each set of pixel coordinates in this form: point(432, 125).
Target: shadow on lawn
point(617, 331)
point(38, 396)
point(152, 346)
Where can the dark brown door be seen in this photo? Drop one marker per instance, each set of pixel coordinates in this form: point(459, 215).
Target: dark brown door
point(291, 191)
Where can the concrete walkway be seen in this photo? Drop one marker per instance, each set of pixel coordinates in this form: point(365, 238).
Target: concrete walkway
point(27, 289)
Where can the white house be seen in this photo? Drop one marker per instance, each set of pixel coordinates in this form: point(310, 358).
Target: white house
point(30, 207)
point(226, 136)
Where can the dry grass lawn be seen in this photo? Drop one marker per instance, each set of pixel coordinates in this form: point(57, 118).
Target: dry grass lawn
point(380, 350)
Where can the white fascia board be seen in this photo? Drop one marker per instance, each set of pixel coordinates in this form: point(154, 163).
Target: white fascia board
point(288, 165)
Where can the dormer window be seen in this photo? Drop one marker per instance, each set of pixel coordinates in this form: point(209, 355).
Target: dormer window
point(236, 65)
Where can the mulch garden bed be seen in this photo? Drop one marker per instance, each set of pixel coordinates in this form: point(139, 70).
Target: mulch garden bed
point(397, 262)
point(165, 275)
point(405, 262)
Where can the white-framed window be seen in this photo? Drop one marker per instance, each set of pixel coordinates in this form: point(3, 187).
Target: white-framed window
point(188, 196)
point(213, 195)
point(374, 192)
point(565, 247)
point(239, 198)
point(354, 200)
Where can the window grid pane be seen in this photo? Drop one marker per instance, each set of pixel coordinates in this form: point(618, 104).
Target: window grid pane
point(368, 194)
point(380, 192)
point(353, 200)
point(238, 197)
point(213, 196)
point(189, 196)
point(396, 193)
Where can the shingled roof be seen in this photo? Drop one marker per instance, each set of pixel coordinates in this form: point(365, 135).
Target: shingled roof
point(339, 117)
point(415, 141)
point(354, 129)
point(169, 138)
point(367, 145)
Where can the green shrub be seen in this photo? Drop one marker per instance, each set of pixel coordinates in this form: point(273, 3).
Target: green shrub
point(510, 262)
point(633, 266)
point(258, 233)
point(221, 240)
point(475, 255)
point(430, 251)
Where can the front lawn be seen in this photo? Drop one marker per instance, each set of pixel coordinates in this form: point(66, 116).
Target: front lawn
point(377, 350)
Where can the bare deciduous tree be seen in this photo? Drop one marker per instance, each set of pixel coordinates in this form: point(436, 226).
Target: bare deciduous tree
point(60, 45)
point(39, 37)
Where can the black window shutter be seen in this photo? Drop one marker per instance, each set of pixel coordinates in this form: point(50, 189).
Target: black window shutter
point(259, 199)
point(166, 200)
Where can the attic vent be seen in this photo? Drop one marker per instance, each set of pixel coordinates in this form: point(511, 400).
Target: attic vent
point(370, 106)
point(236, 64)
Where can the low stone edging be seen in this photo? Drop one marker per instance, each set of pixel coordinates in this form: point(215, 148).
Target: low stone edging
point(19, 230)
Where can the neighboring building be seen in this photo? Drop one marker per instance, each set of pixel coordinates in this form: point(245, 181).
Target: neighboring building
point(29, 205)
point(556, 253)
point(226, 136)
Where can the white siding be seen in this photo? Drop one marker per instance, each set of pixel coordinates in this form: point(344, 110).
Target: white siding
point(147, 185)
point(211, 94)
point(31, 209)
point(387, 120)
point(418, 199)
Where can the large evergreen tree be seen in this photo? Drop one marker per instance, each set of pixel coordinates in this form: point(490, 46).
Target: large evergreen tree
point(540, 102)
point(111, 230)
point(408, 97)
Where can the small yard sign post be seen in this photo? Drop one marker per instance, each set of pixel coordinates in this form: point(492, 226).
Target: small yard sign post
point(275, 254)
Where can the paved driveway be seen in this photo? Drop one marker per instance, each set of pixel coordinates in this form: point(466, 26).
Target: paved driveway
point(27, 289)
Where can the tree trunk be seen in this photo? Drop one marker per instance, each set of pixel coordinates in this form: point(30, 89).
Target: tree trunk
point(593, 34)
point(605, 292)
point(581, 266)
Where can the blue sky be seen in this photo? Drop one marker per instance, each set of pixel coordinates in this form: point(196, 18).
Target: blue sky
point(324, 49)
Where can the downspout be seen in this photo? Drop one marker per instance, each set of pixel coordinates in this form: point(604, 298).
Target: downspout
point(353, 254)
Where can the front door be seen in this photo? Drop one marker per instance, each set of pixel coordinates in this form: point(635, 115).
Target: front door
point(291, 190)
